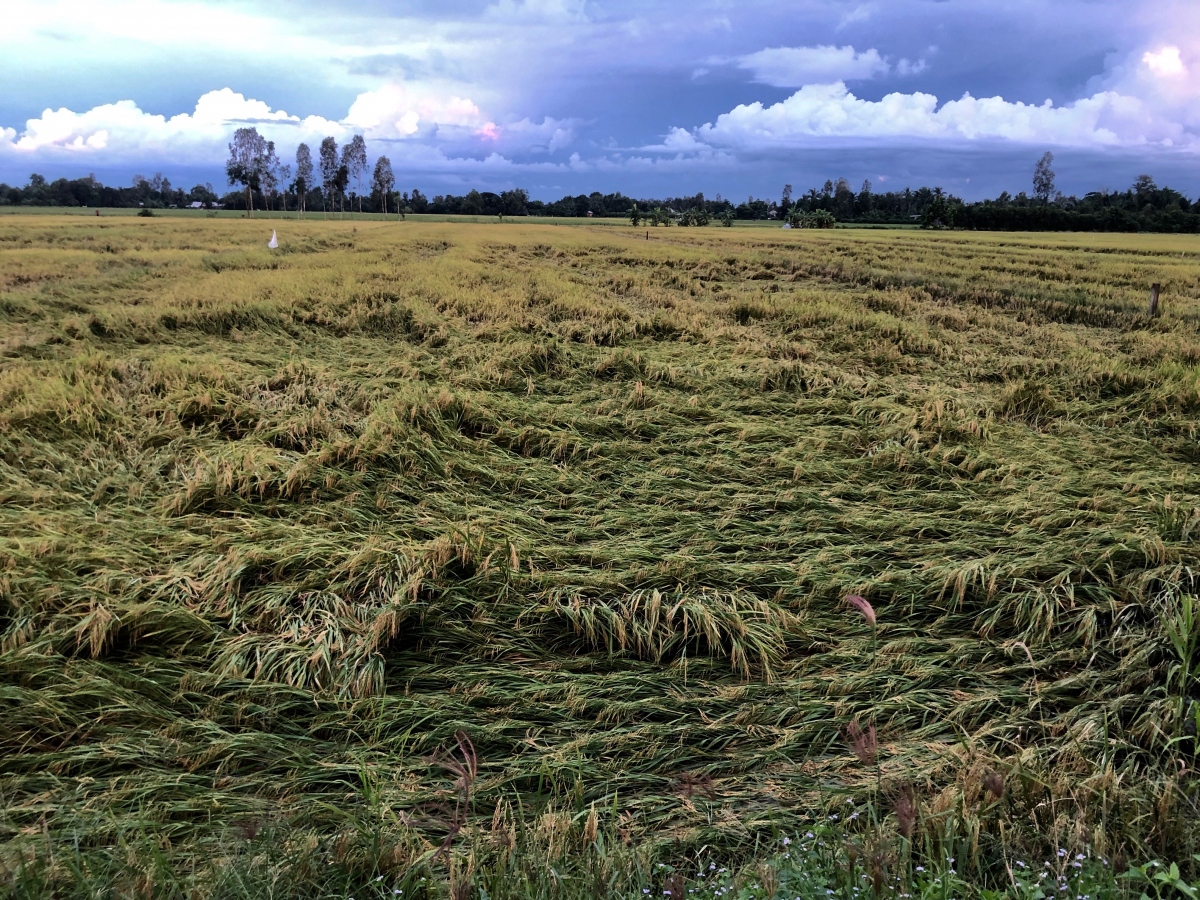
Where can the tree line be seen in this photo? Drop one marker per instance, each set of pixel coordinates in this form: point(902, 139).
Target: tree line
point(1144, 206)
point(341, 177)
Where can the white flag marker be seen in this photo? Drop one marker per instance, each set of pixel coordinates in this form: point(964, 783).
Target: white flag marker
point(274, 242)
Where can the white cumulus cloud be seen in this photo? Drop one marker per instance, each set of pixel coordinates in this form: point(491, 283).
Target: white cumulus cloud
point(819, 111)
point(796, 66)
point(1166, 62)
point(548, 135)
point(121, 132)
point(1165, 77)
point(400, 111)
point(678, 140)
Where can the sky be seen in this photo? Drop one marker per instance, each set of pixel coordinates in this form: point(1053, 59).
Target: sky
point(652, 98)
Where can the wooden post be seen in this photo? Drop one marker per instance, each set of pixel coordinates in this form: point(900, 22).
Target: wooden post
point(1154, 291)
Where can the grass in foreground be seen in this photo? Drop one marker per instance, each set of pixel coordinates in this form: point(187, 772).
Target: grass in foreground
point(277, 528)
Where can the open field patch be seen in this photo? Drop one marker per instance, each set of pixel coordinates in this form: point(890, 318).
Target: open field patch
point(296, 544)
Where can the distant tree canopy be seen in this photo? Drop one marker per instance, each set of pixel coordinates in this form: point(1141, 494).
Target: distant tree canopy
point(1144, 206)
point(328, 156)
point(304, 176)
point(383, 182)
point(1043, 178)
point(354, 162)
point(249, 162)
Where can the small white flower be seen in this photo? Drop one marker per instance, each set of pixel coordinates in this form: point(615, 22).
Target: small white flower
point(786, 841)
point(920, 868)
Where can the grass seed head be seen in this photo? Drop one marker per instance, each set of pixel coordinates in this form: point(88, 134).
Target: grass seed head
point(591, 828)
point(862, 742)
point(861, 604)
point(906, 812)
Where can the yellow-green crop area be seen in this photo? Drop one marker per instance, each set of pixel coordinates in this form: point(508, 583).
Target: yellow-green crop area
point(276, 527)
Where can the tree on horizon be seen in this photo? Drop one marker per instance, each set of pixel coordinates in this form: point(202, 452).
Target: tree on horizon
point(329, 171)
point(1043, 178)
point(247, 162)
point(383, 181)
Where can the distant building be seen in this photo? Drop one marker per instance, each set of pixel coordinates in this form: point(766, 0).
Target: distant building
point(195, 204)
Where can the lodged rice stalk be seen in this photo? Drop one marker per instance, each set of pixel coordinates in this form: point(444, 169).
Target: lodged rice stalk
point(277, 529)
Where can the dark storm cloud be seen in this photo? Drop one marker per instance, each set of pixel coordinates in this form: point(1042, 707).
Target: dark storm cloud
point(719, 96)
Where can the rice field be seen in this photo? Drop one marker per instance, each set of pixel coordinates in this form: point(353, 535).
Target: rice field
point(478, 561)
